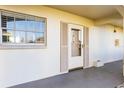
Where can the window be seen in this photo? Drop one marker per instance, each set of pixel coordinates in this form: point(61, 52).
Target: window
point(21, 29)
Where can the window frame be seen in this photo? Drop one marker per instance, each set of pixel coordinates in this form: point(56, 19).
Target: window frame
point(25, 45)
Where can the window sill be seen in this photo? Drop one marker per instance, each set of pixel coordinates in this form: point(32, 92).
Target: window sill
point(22, 46)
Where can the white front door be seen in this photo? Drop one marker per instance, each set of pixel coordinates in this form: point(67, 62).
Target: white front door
point(75, 43)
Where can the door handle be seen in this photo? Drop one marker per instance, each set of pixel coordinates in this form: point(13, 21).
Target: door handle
point(83, 45)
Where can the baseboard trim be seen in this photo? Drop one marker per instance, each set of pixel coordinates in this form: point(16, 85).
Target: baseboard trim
point(113, 61)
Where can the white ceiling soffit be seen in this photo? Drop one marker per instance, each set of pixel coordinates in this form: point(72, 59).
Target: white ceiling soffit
point(94, 12)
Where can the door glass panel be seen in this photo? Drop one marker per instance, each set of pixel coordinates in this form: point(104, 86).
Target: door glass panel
point(76, 42)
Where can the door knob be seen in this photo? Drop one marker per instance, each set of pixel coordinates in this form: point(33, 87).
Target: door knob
point(83, 45)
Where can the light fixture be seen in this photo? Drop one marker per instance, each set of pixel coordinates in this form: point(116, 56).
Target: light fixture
point(114, 30)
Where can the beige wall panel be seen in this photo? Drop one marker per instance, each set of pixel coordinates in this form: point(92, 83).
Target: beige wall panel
point(86, 48)
point(63, 47)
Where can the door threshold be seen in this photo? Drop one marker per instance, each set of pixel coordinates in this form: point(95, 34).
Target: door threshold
point(73, 69)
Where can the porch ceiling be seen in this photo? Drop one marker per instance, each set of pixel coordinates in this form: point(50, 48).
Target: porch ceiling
point(94, 12)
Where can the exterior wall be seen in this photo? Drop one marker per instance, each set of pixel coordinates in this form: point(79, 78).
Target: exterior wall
point(104, 48)
point(23, 65)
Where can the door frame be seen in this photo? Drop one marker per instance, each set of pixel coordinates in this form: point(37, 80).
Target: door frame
point(65, 49)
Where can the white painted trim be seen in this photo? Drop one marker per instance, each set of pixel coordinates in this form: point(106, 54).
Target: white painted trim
point(110, 61)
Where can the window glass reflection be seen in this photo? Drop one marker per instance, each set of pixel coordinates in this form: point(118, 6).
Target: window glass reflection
point(21, 28)
point(20, 24)
point(30, 37)
point(40, 26)
point(30, 24)
point(7, 22)
point(7, 36)
point(39, 38)
point(20, 37)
